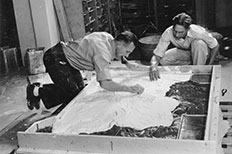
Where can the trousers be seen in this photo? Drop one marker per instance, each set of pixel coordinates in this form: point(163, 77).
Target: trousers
point(197, 55)
point(67, 81)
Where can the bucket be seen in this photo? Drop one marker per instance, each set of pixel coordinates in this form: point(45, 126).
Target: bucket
point(147, 45)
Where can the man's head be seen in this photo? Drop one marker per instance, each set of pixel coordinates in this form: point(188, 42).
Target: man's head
point(125, 43)
point(181, 23)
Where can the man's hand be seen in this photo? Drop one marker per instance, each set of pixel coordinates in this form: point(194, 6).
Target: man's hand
point(137, 89)
point(154, 73)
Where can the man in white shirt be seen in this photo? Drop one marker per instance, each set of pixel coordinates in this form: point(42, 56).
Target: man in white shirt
point(94, 52)
point(193, 45)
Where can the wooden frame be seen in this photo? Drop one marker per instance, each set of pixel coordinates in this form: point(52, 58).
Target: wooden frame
point(44, 143)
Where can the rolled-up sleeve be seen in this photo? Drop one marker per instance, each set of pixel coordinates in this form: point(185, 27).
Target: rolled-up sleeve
point(102, 68)
point(163, 44)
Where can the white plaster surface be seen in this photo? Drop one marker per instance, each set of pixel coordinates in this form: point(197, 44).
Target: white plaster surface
point(98, 109)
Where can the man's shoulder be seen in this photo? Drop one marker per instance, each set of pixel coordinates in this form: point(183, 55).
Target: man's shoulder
point(197, 28)
point(196, 31)
point(167, 32)
point(168, 29)
point(98, 35)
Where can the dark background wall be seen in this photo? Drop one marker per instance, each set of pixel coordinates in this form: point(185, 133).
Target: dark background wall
point(8, 30)
point(213, 14)
point(223, 13)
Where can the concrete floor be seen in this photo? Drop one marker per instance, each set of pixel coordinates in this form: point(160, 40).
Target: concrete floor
point(13, 104)
point(14, 114)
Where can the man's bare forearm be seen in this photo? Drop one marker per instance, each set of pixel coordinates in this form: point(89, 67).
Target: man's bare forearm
point(155, 60)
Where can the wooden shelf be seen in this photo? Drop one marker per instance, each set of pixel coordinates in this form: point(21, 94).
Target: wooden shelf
point(135, 13)
point(94, 12)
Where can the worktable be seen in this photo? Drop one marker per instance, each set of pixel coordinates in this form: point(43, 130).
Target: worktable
point(34, 142)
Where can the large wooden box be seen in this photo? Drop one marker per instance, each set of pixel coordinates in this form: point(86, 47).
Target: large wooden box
point(50, 143)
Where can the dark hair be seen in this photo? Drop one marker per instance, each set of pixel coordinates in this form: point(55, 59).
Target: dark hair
point(127, 37)
point(182, 19)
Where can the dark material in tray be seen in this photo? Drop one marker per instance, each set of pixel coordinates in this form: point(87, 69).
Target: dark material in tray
point(193, 99)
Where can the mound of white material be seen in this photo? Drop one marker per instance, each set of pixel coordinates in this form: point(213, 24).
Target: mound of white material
point(98, 110)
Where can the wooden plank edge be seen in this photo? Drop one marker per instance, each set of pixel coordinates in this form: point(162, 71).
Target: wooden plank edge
point(214, 116)
point(117, 145)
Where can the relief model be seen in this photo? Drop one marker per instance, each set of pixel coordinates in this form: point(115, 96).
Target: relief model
point(154, 113)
